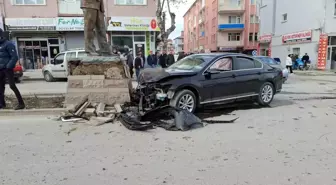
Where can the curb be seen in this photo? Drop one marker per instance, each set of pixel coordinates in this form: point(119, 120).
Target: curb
point(29, 112)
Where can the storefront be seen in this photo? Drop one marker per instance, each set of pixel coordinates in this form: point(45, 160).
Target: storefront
point(264, 47)
point(73, 31)
point(136, 33)
point(297, 43)
point(36, 39)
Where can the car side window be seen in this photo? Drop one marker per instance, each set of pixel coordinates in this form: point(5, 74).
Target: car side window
point(81, 54)
point(70, 55)
point(242, 63)
point(257, 64)
point(59, 59)
point(223, 64)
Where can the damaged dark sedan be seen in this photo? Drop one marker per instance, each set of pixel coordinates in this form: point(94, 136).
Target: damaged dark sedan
point(209, 79)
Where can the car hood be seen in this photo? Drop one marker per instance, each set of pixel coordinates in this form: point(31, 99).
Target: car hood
point(151, 75)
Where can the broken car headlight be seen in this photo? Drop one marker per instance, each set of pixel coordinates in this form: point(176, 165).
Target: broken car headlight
point(161, 96)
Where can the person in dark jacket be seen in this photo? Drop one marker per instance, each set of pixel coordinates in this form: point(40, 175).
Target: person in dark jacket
point(151, 60)
point(130, 59)
point(181, 56)
point(170, 59)
point(305, 59)
point(138, 65)
point(8, 59)
point(163, 59)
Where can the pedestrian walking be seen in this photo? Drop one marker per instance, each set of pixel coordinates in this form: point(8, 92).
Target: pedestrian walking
point(170, 59)
point(305, 59)
point(138, 65)
point(8, 59)
point(289, 63)
point(130, 59)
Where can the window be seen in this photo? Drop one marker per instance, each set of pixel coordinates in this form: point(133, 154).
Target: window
point(244, 63)
point(193, 62)
point(234, 19)
point(256, 36)
point(234, 37)
point(59, 59)
point(254, 19)
point(267, 60)
point(257, 64)
point(253, 2)
point(29, 2)
point(296, 51)
point(130, 2)
point(284, 17)
point(70, 55)
point(251, 37)
point(335, 8)
point(224, 64)
point(235, 2)
point(81, 55)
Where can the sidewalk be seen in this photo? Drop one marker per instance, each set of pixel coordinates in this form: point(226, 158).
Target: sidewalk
point(33, 75)
point(315, 73)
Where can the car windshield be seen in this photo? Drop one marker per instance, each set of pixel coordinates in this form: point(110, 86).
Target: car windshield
point(192, 62)
point(267, 60)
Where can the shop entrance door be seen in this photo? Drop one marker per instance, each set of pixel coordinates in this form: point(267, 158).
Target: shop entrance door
point(139, 47)
point(331, 57)
point(53, 45)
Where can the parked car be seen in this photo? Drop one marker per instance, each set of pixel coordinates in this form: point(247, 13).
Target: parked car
point(18, 72)
point(209, 79)
point(274, 63)
point(58, 68)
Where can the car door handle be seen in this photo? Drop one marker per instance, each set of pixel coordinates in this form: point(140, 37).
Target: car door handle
point(233, 75)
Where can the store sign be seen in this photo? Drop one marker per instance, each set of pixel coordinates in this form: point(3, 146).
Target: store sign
point(265, 38)
point(30, 24)
point(322, 52)
point(70, 23)
point(299, 37)
point(133, 24)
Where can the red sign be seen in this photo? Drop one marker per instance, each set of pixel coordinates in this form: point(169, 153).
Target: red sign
point(265, 38)
point(153, 24)
point(299, 37)
point(322, 52)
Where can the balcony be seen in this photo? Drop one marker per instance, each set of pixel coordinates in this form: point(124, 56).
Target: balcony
point(228, 8)
point(69, 7)
point(231, 27)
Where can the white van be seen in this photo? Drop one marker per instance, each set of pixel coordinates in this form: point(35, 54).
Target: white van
point(58, 69)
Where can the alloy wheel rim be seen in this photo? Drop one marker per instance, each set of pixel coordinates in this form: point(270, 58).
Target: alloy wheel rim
point(47, 77)
point(267, 93)
point(186, 102)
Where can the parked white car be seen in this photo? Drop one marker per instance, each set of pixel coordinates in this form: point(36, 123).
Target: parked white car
point(58, 69)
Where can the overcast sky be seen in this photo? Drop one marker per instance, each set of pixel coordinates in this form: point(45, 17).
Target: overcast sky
point(179, 11)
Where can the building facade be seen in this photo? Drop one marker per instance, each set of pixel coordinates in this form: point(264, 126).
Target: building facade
point(289, 31)
point(221, 25)
point(178, 43)
point(43, 28)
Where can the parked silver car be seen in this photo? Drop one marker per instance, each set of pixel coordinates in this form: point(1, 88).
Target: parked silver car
point(272, 62)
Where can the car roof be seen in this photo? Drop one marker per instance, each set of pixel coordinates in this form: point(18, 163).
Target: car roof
point(221, 54)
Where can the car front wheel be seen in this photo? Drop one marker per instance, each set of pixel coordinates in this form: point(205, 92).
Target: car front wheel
point(266, 94)
point(184, 99)
point(48, 77)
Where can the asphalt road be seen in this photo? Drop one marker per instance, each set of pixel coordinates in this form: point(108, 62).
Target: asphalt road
point(291, 142)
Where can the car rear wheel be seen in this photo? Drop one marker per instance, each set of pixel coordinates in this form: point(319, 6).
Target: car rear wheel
point(48, 77)
point(266, 94)
point(184, 99)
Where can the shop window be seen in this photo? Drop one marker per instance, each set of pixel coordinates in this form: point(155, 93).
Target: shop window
point(122, 41)
point(233, 36)
point(53, 41)
point(296, 51)
point(332, 40)
point(29, 2)
point(139, 38)
point(122, 33)
point(139, 33)
point(130, 2)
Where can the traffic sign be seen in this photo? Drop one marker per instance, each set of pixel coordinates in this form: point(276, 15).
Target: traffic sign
point(254, 52)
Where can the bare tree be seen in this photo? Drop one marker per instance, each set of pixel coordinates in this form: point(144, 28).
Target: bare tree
point(161, 5)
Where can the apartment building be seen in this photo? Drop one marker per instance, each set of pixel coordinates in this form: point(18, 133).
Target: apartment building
point(221, 25)
point(43, 28)
point(285, 30)
point(178, 42)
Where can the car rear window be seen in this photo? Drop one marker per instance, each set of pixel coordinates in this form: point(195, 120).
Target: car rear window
point(267, 60)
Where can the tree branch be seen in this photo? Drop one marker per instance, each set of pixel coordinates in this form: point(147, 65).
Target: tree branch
point(172, 20)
